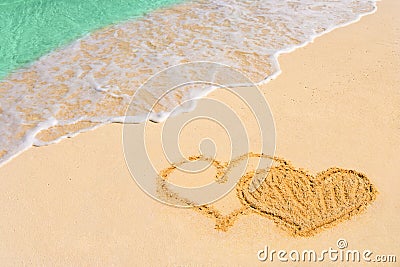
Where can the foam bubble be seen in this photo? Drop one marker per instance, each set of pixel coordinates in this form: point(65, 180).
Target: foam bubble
point(91, 81)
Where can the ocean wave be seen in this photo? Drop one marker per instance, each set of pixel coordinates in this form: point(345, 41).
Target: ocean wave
point(91, 81)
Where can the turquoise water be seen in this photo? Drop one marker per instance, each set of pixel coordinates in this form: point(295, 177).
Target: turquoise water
point(92, 81)
point(31, 28)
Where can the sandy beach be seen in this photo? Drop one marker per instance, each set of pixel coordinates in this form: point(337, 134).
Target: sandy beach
point(336, 104)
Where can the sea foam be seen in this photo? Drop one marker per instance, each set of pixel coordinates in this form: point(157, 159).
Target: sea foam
point(91, 81)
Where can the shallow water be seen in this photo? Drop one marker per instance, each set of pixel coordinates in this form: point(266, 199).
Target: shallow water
point(91, 81)
point(31, 28)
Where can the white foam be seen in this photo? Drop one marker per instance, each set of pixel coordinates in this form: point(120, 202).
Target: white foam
point(94, 78)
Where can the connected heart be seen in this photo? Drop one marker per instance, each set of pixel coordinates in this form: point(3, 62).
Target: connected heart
point(298, 202)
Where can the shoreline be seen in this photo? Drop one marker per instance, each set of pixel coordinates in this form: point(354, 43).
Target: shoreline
point(44, 127)
point(75, 203)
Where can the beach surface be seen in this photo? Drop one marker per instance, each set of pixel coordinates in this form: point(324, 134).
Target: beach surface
point(337, 103)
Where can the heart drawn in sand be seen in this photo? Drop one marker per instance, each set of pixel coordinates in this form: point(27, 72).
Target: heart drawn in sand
point(300, 203)
point(304, 204)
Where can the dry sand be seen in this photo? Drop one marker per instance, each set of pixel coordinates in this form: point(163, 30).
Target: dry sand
point(337, 103)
